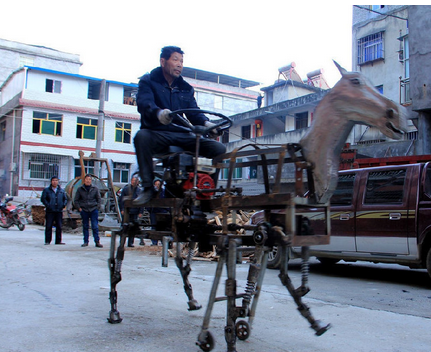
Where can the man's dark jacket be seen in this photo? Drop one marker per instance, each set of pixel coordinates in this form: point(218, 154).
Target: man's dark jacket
point(155, 94)
point(87, 200)
point(128, 191)
point(54, 201)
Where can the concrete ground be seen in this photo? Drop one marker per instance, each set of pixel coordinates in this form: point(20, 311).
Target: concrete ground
point(55, 299)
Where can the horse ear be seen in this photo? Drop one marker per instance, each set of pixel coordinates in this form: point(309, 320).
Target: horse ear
point(342, 70)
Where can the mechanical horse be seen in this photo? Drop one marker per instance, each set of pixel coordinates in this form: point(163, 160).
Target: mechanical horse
point(193, 195)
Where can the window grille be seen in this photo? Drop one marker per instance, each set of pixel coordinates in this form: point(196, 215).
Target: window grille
point(42, 166)
point(370, 48)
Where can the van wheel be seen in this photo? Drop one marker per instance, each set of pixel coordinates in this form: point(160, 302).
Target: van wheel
point(274, 258)
point(328, 261)
point(429, 262)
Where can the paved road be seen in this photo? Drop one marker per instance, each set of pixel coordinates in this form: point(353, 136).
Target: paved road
point(55, 299)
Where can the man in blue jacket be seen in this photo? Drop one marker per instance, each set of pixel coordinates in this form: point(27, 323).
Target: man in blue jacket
point(160, 92)
point(54, 199)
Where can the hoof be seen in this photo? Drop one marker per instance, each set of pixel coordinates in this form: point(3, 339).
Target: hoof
point(114, 317)
point(194, 305)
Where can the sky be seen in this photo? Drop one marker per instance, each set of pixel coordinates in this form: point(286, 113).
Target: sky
point(121, 40)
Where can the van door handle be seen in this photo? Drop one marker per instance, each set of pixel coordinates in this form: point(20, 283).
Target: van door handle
point(344, 217)
point(394, 216)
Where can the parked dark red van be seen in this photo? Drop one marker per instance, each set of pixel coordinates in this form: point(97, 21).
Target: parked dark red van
point(378, 214)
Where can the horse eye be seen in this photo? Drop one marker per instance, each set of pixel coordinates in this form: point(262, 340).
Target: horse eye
point(355, 81)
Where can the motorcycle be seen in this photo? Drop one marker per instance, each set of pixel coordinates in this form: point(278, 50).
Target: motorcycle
point(12, 215)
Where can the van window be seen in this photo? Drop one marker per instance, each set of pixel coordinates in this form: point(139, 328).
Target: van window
point(385, 187)
point(427, 185)
point(343, 195)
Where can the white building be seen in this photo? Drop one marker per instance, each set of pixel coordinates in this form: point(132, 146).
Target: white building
point(47, 116)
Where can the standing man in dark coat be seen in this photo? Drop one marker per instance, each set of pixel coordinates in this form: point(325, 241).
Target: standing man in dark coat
point(54, 199)
point(88, 201)
point(160, 92)
point(131, 190)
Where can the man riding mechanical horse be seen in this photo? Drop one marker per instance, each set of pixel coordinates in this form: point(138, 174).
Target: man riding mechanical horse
point(160, 92)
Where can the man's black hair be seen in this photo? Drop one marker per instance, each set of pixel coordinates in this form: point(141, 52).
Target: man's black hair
point(167, 51)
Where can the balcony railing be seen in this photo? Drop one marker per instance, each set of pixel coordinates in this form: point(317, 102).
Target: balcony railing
point(129, 101)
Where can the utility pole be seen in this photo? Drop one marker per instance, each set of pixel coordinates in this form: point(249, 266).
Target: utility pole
point(100, 125)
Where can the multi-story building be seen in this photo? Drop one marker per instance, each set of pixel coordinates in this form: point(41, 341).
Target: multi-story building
point(392, 48)
point(48, 115)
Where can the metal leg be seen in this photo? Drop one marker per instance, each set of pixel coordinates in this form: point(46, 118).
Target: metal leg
point(205, 340)
point(258, 288)
point(297, 294)
point(115, 272)
point(185, 271)
point(229, 331)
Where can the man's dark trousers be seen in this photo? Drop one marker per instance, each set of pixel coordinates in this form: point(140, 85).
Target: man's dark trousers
point(51, 218)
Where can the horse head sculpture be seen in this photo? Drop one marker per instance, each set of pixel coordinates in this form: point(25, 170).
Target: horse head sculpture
point(353, 100)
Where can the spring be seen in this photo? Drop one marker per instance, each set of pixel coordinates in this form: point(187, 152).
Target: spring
point(191, 253)
point(304, 271)
point(249, 290)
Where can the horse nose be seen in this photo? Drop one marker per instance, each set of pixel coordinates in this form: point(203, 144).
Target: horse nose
point(390, 113)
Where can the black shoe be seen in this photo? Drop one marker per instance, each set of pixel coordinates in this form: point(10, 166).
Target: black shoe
point(61, 243)
point(131, 245)
point(47, 243)
point(144, 197)
point(84, 244)
point(98, 245)
point(142, 243)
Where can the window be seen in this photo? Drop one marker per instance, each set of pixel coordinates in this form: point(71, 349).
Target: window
point(225, 137)
point(52, 86)
point(237, 172)
point(123, 132)
point(3, 131)
point(44, 166)
point(385, 187)
point(121, 172)
point(94, 90)
point(380, 89)
point(404, 56)
point(86, 128)
point(246, 132)
point(343, 195)
point(46, 123)
point(301, 120)
point(370, 48)
point(129, 96)
point(88, 167)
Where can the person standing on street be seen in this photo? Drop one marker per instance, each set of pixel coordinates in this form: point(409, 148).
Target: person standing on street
point(88, 201)
point(54, 199)
point(131, 190)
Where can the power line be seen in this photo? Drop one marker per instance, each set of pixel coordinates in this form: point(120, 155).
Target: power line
point(383, 14)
